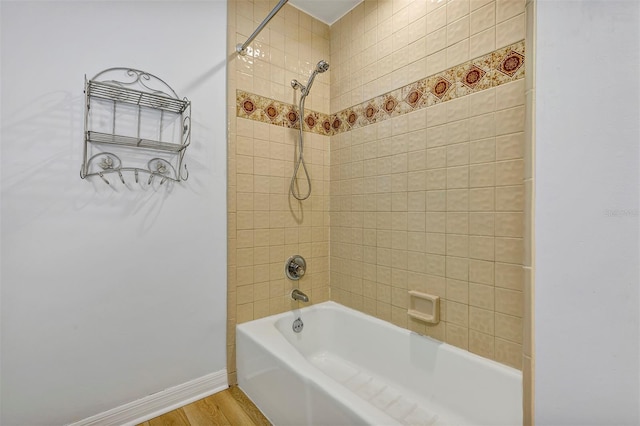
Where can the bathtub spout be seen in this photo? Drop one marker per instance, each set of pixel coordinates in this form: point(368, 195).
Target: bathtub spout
point(298, 295)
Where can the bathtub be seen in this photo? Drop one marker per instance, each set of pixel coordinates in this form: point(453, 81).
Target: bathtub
point(348, 368)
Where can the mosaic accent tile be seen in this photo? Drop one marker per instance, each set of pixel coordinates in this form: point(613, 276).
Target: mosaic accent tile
point(259, 108)
point(499, 67)
point(508, 64)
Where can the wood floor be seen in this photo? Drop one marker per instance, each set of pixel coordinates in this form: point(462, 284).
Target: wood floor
point(230, 407)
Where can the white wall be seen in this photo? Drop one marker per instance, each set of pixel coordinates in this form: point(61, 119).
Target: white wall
point(587, 200)
point(109, 294)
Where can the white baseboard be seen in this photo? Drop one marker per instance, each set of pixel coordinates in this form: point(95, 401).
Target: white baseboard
point(159, 403)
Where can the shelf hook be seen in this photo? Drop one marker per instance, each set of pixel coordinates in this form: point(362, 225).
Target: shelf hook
point(136, 173)
point(121, 177)
point(103, 178)
point(150, 179)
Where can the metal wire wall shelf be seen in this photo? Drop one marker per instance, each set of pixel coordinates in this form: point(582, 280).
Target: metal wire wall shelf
point(136, 115)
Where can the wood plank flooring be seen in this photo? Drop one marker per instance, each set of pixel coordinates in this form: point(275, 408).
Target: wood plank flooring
point(230, 407)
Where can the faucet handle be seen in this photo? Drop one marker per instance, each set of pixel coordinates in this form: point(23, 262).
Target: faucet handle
point(295, 267)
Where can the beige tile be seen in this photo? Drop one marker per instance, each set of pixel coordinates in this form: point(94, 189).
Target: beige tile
point(481, 199)
point(457, 200)
point(436, 19)
point(437, 62)
point(510, 198)
point(435, 265)
point(481, 247)
point(436, 285)
point(530, 42)
point(457, 223)
point(509, 276)
point(437, 331)
point(244, 312)
point(477, 4)
point(417, 161)
point(506, 9)
point(457, 30)
point(481, 296)
point(457, 291)
point(436, 41)
point(509, 172)
point(481, 344)
point(436, 115)
point(529, 135)
point(457, 177)
point(482, 18)
point(437, 200)
point(482, 102)
point(482, 126)
point(509, 120)
point(482, 320)
point(457, 268)
point(458, 155)
point(435, 221)
point(400, 298)
point(510, 31)
point(509, 250)
point(457, 336)
point(416, 181)
point(416, 201)
point(509, 224)
point(457, 245)
point(436, 179)
point(482, 151)
point(528, 313)
point(509, 327)
point(457, 9)
point(482, 43)
point(436, 158)
point(482, 223)
point(399, 316)
point(510, 146)
point(482, 175)
point(509, 302)
point(481, 271)
point(458, 53)
point(457, 132)
point(457, 109)
point(457, 313)
point(510, 95)
point(508, 353)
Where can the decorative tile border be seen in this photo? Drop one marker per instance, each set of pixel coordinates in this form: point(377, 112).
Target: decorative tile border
point(498, 67)
point(270, 111)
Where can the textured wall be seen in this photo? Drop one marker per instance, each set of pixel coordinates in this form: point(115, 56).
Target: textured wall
point(266, 224)
point(427, 183)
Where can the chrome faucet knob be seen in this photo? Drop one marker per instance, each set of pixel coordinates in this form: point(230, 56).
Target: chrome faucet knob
point(295, 267)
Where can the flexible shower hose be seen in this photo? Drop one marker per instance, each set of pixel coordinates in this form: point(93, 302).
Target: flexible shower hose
point(300, 159)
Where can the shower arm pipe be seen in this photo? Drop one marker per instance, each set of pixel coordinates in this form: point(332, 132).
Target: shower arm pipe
point(242, 48)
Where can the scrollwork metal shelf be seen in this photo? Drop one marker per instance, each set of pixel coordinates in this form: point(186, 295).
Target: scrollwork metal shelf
point(134, 113)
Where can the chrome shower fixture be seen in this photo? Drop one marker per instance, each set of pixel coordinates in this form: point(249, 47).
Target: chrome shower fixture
point(321, 67)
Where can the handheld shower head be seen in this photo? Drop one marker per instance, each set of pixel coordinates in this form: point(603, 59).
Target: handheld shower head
point(322, 66)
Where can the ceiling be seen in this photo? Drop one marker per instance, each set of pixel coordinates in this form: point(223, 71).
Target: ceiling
point(327, 11)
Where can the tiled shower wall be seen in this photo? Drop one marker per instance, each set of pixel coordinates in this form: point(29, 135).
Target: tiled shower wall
point(432, 198)
point(429, 197)
point(265, 224)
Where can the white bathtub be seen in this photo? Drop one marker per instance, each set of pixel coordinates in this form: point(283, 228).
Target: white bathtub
point(348, 368)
